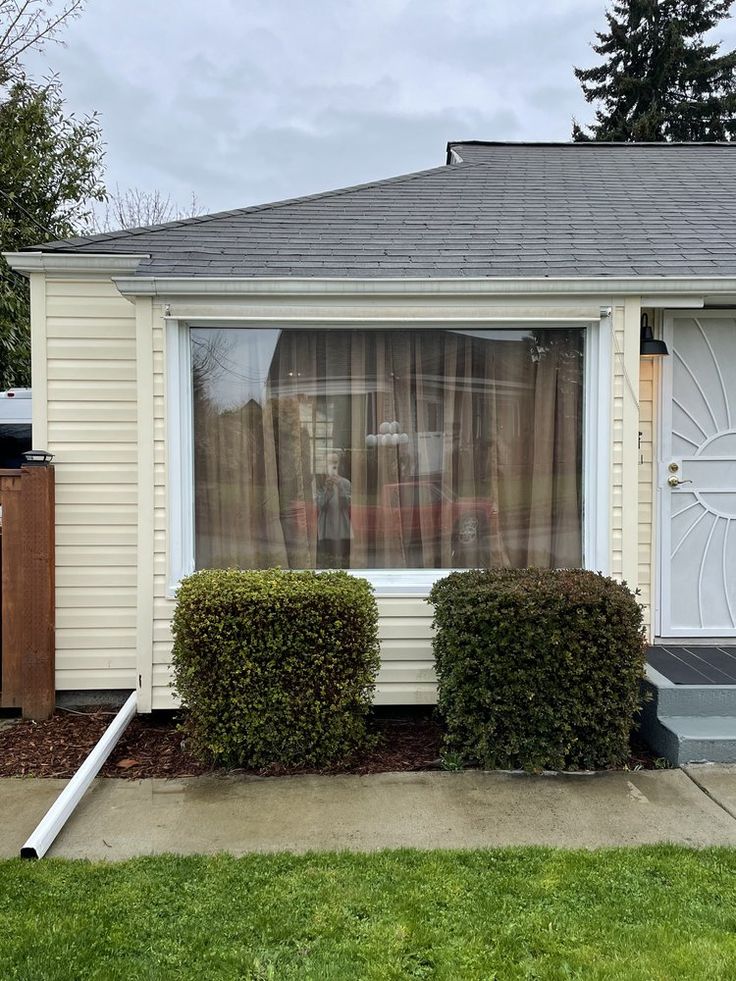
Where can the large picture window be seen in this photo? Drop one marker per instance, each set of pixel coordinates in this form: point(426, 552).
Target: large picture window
point(387, 449)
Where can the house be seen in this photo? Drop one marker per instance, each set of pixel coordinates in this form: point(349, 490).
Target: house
point(435, 371)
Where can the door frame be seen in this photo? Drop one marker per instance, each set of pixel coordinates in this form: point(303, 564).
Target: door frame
point(663, 456)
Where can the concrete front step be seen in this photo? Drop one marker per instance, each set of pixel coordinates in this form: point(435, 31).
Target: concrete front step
point(689, 723)
point(693, 739)
point(697, 700)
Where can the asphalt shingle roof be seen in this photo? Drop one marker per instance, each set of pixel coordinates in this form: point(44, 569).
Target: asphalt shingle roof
point(497, 210)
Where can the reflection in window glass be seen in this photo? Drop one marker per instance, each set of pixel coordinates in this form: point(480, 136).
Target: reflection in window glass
point(387, 449)
point(15, 439)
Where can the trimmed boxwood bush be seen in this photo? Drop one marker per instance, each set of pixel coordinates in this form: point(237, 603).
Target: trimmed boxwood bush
point(275, 667)
point(537, 669)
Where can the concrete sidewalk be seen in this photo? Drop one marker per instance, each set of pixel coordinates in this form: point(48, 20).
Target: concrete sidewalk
point(121, 818)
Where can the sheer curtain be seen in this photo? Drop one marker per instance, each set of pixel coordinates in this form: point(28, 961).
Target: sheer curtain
point(383, 449)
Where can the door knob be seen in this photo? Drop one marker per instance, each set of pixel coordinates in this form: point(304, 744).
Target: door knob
point(674, 481)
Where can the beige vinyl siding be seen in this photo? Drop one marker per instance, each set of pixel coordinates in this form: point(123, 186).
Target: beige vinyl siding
point(162, 695)
point(90, 427)
point(406, 675)
point(647, 490)
point(632, 471)
point(624, 442)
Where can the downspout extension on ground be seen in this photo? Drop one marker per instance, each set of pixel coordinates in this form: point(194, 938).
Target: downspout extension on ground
point(61, 810)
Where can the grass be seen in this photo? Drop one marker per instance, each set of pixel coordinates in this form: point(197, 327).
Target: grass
point(650, 913)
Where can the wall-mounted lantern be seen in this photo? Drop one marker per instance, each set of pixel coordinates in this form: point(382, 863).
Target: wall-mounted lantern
point(649, 346)
point(37, 458)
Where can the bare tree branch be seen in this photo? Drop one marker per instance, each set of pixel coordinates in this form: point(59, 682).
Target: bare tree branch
point(136, 208)
point(26, 24)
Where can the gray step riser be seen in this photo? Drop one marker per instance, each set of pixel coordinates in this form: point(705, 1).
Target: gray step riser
point(706, 750)
point(661, 740)
point(700, 701)
point(686, 749)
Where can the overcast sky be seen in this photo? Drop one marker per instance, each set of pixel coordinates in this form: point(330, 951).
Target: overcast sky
point(248, 101)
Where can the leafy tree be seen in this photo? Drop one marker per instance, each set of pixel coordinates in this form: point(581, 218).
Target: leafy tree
point(50, 171)
point(660, 80)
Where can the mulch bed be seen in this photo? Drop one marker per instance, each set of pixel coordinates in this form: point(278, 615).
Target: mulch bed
point(149, 747)
point(153, 746)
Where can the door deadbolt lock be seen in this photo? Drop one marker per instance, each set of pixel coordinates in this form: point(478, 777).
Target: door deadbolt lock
point(674, 467)
point(674, 481)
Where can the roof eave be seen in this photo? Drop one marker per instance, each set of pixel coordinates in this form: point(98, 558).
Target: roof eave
point(655, 288)
point(73, 263)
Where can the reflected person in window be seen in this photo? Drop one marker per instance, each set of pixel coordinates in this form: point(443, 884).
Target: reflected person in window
point(334, 530)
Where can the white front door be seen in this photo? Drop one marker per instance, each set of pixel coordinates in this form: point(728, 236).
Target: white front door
point(697, 477)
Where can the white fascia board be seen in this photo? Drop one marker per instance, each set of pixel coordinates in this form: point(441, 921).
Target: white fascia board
point(673, 288)
point(73, 263)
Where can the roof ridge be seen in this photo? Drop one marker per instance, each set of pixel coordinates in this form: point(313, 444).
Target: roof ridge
point(253, 209)
point(595, 143)
point(572, 144)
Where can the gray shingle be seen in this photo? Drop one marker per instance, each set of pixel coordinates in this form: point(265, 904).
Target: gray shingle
point(506, 209)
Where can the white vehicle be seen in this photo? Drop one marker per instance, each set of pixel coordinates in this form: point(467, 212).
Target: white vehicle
point(15, 426)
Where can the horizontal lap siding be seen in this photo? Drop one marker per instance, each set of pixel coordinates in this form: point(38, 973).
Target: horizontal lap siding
point(406, 675)
point(624, 526)
point(91, 389)
point(617, 469)
point(646, 489)
point(163, 608)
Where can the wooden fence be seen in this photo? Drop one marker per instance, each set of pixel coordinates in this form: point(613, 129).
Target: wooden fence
point(27, 609)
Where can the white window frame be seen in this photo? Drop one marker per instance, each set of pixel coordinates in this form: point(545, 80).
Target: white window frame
point(597, 368)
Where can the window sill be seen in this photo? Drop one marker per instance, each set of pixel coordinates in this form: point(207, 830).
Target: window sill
point(386, 582)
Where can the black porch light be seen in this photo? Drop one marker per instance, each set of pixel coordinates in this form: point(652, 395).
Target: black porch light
point(37, 458)
point(649, 347)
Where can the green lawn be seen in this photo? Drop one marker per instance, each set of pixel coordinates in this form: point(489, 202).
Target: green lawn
point(646, 913)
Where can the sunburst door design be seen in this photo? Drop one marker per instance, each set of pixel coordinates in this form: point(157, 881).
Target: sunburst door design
point(699, 479)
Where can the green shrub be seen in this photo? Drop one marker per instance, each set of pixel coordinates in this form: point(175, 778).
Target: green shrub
point(275, 667)
point(537, 669)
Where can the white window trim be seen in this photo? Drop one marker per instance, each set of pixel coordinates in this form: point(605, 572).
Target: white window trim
point(597, 443)
point(393, 582)
point(180, 454)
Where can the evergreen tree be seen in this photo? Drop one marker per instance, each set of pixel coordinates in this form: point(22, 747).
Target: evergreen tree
point(660, 80)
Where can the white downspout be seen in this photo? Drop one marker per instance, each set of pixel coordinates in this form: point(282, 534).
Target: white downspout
point(60, 811)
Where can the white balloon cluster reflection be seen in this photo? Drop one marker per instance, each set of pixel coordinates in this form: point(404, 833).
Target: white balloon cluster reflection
point(388, 435)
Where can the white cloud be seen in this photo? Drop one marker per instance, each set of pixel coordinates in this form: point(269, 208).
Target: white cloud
point(243, 101)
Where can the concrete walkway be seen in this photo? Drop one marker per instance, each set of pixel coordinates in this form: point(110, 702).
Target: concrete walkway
point(118, 819)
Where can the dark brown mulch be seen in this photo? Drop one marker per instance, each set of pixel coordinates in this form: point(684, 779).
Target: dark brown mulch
point(57, 748)
point(152, 746)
